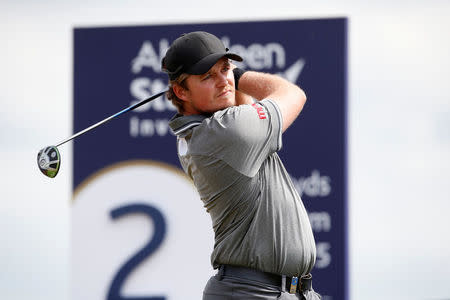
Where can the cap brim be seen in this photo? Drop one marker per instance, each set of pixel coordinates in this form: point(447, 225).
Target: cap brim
point(207, 62)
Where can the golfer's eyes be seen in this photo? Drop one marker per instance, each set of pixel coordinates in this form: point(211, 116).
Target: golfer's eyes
point(206, 77)
point(225, 69)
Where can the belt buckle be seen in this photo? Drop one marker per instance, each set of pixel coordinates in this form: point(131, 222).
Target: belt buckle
point(294, 284)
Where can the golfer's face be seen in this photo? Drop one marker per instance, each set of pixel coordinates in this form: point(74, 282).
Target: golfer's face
point(212, 91)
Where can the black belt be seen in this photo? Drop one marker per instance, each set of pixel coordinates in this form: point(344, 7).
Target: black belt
point(304, 283)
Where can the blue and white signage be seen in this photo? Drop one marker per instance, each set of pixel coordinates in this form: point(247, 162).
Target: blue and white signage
point(139, 230)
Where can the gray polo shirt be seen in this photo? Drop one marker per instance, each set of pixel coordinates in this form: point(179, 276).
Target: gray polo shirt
point(258, 217)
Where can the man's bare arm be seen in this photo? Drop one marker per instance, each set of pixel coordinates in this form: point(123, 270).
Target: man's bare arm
point(289, 97)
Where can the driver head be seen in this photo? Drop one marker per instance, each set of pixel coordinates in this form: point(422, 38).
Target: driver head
point(49, 161)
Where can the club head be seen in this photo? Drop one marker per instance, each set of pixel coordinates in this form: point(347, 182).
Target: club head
point(49, 161)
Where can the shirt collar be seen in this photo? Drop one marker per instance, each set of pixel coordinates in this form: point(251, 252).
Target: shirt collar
point(180, 123)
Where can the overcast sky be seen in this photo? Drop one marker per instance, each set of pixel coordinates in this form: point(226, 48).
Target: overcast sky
point(399, 134)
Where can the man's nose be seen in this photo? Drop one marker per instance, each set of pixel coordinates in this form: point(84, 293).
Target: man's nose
point(222, 79)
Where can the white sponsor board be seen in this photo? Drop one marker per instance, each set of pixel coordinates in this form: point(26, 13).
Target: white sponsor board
point(168, 222)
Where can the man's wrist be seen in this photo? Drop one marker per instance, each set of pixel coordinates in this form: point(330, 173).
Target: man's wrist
point(237, 72)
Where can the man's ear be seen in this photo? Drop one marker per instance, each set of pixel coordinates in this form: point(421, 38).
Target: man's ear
point(180, 92)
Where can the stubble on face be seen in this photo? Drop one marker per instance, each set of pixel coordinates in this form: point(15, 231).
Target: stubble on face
point(212, 91)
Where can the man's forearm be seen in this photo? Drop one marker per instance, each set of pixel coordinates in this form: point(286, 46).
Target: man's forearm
point(289, 97)
point(242, 98)
point(260, 85)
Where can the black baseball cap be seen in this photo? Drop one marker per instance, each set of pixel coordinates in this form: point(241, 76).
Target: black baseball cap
point(194, 53)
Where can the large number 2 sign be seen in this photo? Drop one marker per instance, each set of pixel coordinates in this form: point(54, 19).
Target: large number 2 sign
point(154, 242)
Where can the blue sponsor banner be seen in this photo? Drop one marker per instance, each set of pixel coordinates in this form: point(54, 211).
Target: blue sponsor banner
point(114, 67)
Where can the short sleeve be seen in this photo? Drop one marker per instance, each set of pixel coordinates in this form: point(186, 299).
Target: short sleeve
point(242, 136)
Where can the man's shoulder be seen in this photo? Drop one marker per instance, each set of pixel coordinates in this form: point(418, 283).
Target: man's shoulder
point(229, 111)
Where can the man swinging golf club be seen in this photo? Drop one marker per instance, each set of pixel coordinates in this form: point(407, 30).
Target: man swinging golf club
point(229, 128)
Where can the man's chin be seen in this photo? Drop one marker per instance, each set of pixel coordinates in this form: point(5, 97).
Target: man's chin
point(229, 104)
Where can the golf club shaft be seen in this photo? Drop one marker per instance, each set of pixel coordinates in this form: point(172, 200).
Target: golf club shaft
point(134, 106)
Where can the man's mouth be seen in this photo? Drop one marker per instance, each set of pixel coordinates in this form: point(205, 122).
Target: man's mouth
point(224, 93)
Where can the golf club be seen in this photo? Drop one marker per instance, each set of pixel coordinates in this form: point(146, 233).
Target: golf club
point(49, 158)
